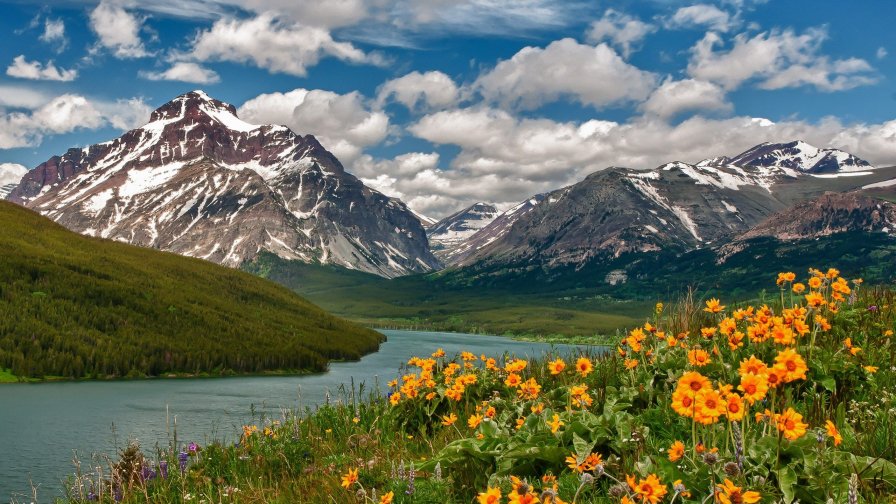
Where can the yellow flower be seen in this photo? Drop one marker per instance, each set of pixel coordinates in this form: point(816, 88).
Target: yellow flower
point(513, 380)
point(814, 282)
point(694, 382)
point(474, 421)
point(698, 358)
point(449, 419)
point(584, 366)
point(785, 278)
point(395, 398)
point(754, 387)
point(728, 493)
point(556, 366)
point(870, 369)
point(555, 423)
point(676, 451)
point(735, 408)
point(648, 489)
point(659, 308)
point(631, 363)
point(356, 420)
point(490, 496)
point(515, 497)
point(799, 288)
point(387, 498)
point(792, 365)
point(833, 432)
point(350, 478)
point(714, 306)
point(438, 353)
point(710, 406)
point(814, 299)
point(790, 423)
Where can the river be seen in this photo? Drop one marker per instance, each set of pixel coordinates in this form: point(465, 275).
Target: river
point(42, 426)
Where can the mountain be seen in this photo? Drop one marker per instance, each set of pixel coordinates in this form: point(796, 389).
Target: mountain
point(198, 181)
point(799, 155)
point(10, 175)
point(676, 207)
point(447, 234)
point(75, 306)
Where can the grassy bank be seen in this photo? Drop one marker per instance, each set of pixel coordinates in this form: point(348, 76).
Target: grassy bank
point(792, 400)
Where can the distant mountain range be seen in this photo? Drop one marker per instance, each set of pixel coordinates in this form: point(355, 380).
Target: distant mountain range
point(198, 181)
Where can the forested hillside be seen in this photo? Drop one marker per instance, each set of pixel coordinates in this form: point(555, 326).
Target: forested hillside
point(73, 306)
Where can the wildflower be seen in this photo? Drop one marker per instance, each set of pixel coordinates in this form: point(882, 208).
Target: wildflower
point(528, 497)
point(529, 390)
point(814, 282)
point(774, 376)
point(790, 423)
point(833, 432)
point(537, 408)
point(520, 422)
point(631, 363)
point(658, 308)
point(555, 423)
point(182, 460)
point(870, 369)
point(556, 366)
point(676, 451)
point(694, 382)
point(513, 380)
point(448, 420)
point(713, 306)
point(680, 489)
point(792, 364)
point(515, 366)
point(709, 406)
point(438, 353)
point(395, 398)
point(474, 421)
point(490, 496)
point(683, 402)
point(584, 366)
point(698, 358)
point(648, 489)
point(814, 299)
point(728, 493)
point(799, 288)
point(735, 407)
point(785, 277)
point(387, 498)
point(356, 420)
point(708, 332)
point(349, 478)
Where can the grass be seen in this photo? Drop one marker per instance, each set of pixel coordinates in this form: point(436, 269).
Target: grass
point(77, 307)
point(6, 376)
point(452, 428)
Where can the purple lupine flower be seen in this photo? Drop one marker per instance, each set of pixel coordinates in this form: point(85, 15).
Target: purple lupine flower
point(116, 494)
point(872, 308)
point(182, 459)
point(91, 496)
point(147, 473)
point(163, 468)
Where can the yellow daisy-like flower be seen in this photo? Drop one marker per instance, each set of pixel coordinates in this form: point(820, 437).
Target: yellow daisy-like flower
point(556, 366)
point(676, 451)
point(350, 478)
point(833, 432)
point(448, 420)
point(714, 306)
point(728, 493)
point(490, 496)
point(584, 366)
point(387, 498)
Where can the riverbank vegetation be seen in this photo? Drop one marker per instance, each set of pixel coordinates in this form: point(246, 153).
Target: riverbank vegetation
point(788, 399)
point(77, 307)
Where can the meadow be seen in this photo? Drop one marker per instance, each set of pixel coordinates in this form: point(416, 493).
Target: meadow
point(788, 399)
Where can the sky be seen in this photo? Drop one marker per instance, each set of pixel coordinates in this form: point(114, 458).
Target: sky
point(444, 103)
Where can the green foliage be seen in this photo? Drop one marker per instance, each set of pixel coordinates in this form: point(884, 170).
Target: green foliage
point(79, 307)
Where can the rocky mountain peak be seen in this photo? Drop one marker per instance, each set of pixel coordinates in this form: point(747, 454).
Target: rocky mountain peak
point(801, 156)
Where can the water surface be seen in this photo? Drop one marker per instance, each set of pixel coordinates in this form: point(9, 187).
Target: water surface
point(43, 425)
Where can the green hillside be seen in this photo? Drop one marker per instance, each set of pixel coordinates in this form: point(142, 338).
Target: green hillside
point(73, 306)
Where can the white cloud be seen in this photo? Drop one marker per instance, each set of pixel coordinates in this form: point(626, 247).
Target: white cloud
point(54, 33)
point(64, 114)
point(431, 89)
point(273, 43)
point(184, 71)
point(118, 30)
point(700, 16)
point(342, 123)
point(34, 70)
point(505, 158)
point(778, 59)
point(21, 97)
point(11, 173)
point(686, 95)
point(592, 75)
point(624, 31)
point(881, 52)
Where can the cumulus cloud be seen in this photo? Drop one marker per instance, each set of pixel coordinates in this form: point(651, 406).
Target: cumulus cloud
point(687, 95)
point(184, 71)
point(592, 75)
point(118, 30)
point(343, 123)
point(778, 59)
point(700, 16)
point(272, 43)
point(64, 114)
point(11, 173)
point(34, 70)
point(54, 34)
point(881, 52)
point(431, 90)
point(505, 158)
point(624, 31)
point(21, 97)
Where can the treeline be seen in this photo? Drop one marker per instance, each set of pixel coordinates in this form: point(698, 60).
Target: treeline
point(76, 307)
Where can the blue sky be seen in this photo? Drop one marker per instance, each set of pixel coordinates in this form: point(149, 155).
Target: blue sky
point(444, 103)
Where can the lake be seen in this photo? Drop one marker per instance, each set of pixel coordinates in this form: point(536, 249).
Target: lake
point(43, 425)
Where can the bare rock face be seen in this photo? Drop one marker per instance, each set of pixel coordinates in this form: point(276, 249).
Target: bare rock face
point(449, 234)
point(198, 181)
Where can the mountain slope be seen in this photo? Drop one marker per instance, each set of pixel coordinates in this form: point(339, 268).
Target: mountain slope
point(799, 155)
point(199, 181)
point(452, 231)
point(76, 306)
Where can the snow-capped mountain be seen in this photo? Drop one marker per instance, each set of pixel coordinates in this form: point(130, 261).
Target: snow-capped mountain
point(447, 234)
point(674, 207)
point(198, 181)
point(799, 155)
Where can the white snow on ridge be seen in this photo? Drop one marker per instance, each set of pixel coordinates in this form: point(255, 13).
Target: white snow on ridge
point(885, 183)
